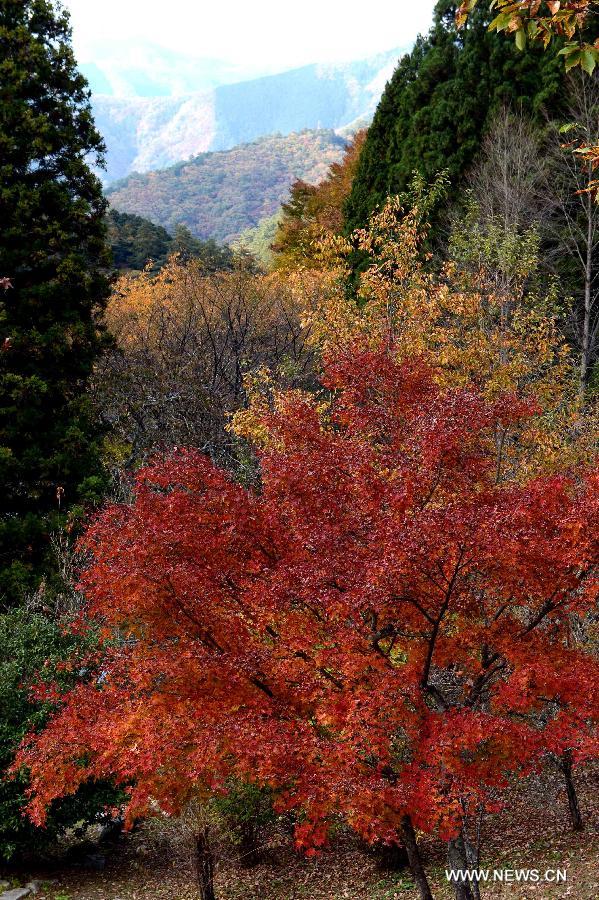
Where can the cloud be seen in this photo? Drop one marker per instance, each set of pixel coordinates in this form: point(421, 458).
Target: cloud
point(260, 36)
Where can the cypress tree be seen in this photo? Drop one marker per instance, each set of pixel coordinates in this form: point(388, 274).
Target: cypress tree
point(53, 251)
point(440, 101)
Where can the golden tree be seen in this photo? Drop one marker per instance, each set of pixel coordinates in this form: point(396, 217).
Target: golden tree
point(186, 339)
point(478, 321)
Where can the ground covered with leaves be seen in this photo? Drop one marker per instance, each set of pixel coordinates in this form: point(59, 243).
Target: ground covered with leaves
point(530, 833)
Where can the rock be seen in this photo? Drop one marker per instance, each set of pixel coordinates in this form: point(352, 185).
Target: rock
point(94, 861)
point(34, 886)
point(16, 894)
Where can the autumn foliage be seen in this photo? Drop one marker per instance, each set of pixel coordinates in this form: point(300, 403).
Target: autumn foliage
point(542, 20)
point(185, 340)
point(381, 629)
point(314, 212)
point(476, 321)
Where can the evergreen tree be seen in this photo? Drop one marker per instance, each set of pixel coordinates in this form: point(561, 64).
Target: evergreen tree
point(439, 103)
point(214, 257)
point(53, 250)
point(135, 241)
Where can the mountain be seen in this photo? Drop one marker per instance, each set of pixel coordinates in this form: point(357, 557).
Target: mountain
point(144, 133)
point(221, 194)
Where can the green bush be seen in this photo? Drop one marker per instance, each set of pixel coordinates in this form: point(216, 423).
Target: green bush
point(247, 811)
point(31, 646)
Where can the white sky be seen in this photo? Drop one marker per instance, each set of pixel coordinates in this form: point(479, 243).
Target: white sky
point(261, 34)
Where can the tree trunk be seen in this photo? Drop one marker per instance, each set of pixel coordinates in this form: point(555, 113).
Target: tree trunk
point(390, 857)
point(473, 858)
point(565, 764)
point(250, 851)
point(458, 861)
point(205, 864)
point(417, 869)
point(586, 342)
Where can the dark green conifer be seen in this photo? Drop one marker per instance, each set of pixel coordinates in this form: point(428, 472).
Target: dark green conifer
point(53, 250)
point(440, 101)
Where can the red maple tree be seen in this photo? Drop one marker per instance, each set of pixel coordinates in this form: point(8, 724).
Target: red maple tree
point(380, 632)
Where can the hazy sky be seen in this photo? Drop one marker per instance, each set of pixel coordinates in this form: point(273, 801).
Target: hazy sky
point(261, 34)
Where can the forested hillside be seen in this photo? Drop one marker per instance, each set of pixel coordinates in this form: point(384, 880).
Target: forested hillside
point(440, 101)
point(136, 243)
point(144, 133)
point(220, 195)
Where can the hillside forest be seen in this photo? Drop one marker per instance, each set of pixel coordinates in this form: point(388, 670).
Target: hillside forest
point(299, 528)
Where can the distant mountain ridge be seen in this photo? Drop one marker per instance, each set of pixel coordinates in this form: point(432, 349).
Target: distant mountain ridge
point(125, 68)
point(222, 194)
point(146, 133)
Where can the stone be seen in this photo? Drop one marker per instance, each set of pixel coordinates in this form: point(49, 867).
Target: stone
point(16, 894)
point(94, 861)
